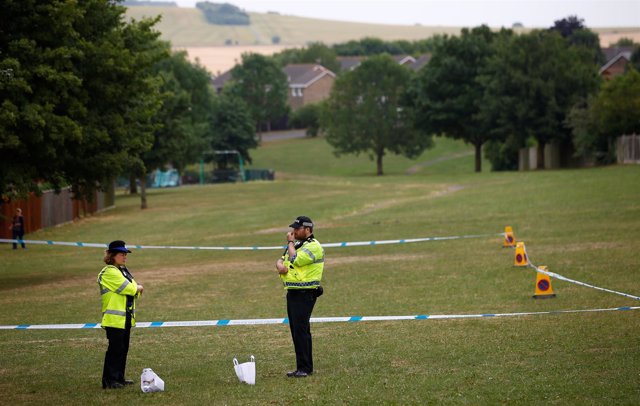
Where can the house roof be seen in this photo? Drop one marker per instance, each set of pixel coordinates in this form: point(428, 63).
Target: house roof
point(303, 75)
point(298, 75)
point(611, 52)
point(421, 61)
point(622, 55)
point(349, 62)
point(219, 81)
point(404, 59)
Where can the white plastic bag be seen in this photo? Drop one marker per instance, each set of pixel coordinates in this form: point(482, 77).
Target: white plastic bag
point(246, 371)
point(150, 382)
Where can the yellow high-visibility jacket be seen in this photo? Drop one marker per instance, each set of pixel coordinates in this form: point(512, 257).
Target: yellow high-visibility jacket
point(114, 291)
point(305, 271)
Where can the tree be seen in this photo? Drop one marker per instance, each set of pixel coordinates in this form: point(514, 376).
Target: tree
point(233, 127)
point(615, 111)
point(182, 123)
point(367, 112)
point(575, 32)
point(260, 82)
point(39, 88)
point(635, 58)
point(122, 98)
point(531, 84)
point(447, 94)
point(77, 98)
point(568, 25)
point(315, 52)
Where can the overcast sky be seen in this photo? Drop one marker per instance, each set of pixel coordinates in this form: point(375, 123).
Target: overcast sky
point(469, 13)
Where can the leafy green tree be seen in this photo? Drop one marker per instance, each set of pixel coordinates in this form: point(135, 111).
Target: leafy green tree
point(307, 116)
point(319, 53)
point(447, 94)
point(625, 42)
point(233, 127)
point(39, 89)
point(576, 33)
point(123, 98)
point(635, 58)
point(532, 82)
point(76, 98)
point(260, 82)
point(367, 113)
point(182, 123)
point(615, 111)
point(316, 52)
point(223, 13)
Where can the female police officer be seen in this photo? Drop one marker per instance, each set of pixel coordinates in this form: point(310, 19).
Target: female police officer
point(300, 269)
point(119, 292)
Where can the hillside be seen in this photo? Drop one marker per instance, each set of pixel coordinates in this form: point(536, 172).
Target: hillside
point(187, 27)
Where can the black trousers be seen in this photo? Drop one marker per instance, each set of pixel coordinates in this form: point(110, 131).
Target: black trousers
point(115, 359)
point(299, 307)
point(17, 235)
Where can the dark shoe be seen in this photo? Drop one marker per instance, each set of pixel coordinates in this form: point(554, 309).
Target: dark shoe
point(297, 374)
point(113, 385)
point(127, 382)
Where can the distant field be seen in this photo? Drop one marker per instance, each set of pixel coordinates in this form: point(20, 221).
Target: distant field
point(187, 29)
point(218, 60)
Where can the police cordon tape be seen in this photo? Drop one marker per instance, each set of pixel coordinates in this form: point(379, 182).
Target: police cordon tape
point(329, 245)
point(256, 248)
point(245, 322)
point(563, 278)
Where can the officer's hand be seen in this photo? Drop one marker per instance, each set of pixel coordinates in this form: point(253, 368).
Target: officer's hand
point(140, 289)
point(290, 236)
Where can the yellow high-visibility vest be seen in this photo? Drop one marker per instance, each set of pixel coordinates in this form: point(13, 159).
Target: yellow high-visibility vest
point(305, 272)
point(114, 289)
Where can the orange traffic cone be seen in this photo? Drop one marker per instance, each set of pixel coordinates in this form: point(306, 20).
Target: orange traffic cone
point(543, 285)
point(509, 238)
point(520, 258)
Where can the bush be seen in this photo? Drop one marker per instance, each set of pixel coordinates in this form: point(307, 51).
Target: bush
point(307, 117)
point(502, 155)
point(223, 14)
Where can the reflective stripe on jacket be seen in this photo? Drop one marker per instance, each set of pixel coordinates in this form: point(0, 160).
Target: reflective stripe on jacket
point(305, 272)
point(114, 289)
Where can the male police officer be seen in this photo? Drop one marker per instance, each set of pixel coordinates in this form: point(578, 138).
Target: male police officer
point(300, 269)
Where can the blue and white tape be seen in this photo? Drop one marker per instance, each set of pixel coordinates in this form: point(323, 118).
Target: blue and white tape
point(245, 322)
point(563, 278)
point(255, 248)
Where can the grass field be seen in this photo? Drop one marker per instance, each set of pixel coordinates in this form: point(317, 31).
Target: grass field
point(582, 224)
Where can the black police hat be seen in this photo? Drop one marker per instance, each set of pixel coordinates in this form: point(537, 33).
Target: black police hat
point(301, 221)
point(117, 246)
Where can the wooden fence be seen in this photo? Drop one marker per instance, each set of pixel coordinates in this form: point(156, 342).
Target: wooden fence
point(51, 209)
point(628, 149)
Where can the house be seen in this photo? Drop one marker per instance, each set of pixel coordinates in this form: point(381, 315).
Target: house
point(308, 83)
point(219, 81)
point(420, 62)
point(617, 60)
point(348, 63)
point(406, 60)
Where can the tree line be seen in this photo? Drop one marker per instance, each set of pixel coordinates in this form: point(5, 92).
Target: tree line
point(498, 91)
point(88, 96)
